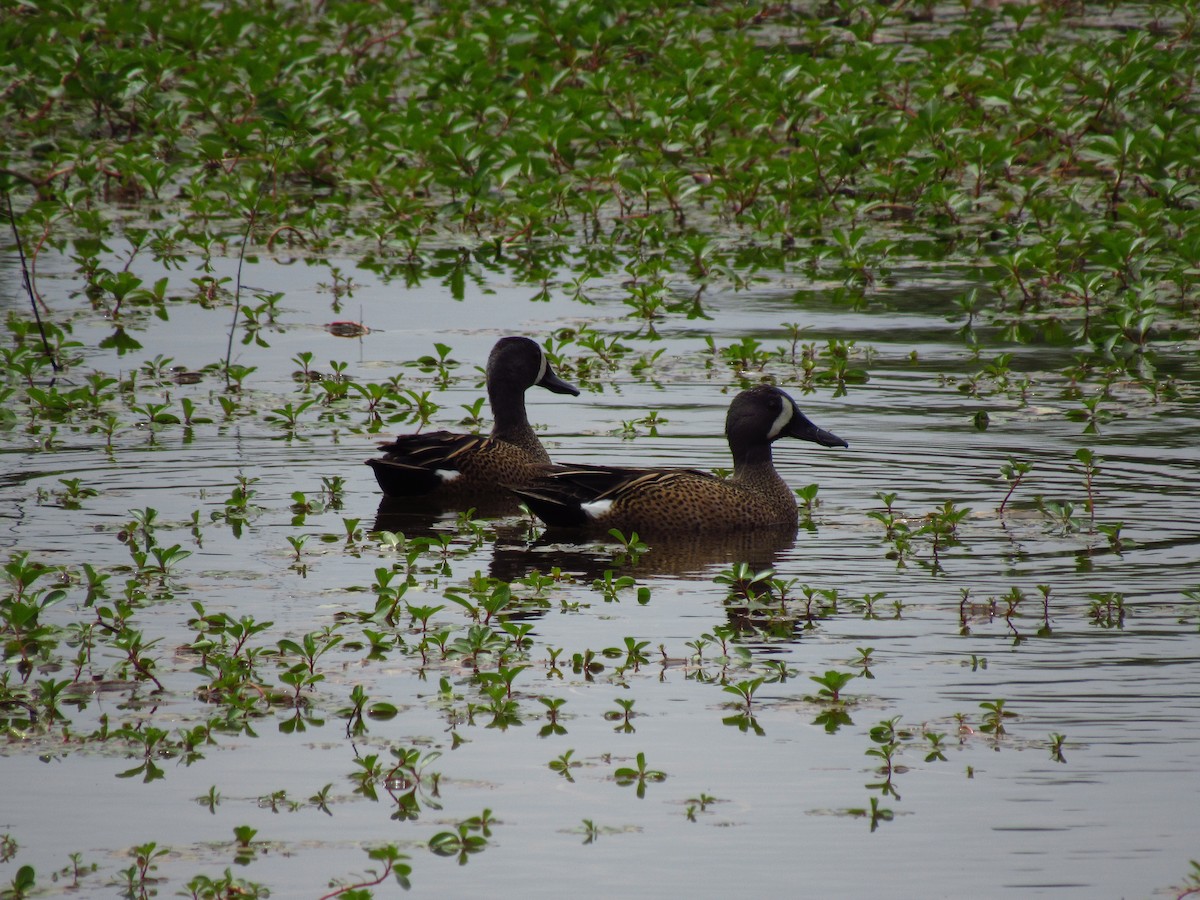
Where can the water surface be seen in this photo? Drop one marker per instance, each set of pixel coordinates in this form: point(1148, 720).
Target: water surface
point(999, 816)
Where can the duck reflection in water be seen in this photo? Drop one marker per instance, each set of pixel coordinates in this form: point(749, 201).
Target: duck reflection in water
point(519, 550)
point(682, 555)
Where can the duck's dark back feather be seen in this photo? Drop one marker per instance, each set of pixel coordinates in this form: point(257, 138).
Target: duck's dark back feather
point(463, 466)
point(410, 464)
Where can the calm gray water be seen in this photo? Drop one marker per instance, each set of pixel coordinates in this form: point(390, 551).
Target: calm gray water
point(998, 817)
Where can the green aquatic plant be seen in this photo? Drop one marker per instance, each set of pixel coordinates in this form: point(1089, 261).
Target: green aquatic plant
point(1089, 467)
point(631, 547)
point(26, 635)
point(744, 691)
point(1056, 747)
point(831, 684)
point(867, 604)
point(936, 747)
point(647, 424)
point(622, 716)
point(440, 365)
point(504, 710)
point(71, 876)
point(632, 655)
point(611, 585)
point(940, 525)
point(486, 600)
point(406, 780)
point(808, 498)
point(237, 508)
point(778, 671)
point(1045, 629)
point(1013, 472)
point(302, 506)
point(236, 374)
point(73, 493)
point(698, 804)
point(303, 673)
point(394, 867)
point(166, 558)
point(887, 741)
point(23, 884)
point(743, 583)
point(1012, 601)
point(994, 717)
point(1093, 415)
point(1061, 514)
point(864, 661)
point(563, 765)
point(1107, 609)
point(418, 614)
point(748, 355)
point(874, 813)
point(502, 678)
point(288, 415)
point(305, 374)
point(244, 848)
point(461, 843)
point(638, 775)
point(887, 517)
point(553, 726)
point(205, 887)
point(837, 354)
point(1112, 533)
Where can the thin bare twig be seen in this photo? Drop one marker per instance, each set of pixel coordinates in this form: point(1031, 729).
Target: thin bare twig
point(12, 221)
point(237, 288)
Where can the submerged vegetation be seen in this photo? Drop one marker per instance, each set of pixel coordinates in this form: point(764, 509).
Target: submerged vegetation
point(1033, 164)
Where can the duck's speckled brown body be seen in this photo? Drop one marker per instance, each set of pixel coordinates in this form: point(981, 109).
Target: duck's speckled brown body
point(686, 500)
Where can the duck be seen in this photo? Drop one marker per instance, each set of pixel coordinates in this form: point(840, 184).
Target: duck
point(440, 463)
point(670, 500)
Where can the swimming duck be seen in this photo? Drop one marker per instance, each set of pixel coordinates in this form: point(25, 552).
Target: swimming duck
point(443, 461)
point(654, 500)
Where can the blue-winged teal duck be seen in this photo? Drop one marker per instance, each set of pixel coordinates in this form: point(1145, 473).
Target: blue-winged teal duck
point(652, 501)
point(442, 461)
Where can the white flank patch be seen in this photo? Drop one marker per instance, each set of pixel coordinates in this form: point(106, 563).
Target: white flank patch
point(785, 416)
point(596, 508)
point(447, 475)
point(542, 367)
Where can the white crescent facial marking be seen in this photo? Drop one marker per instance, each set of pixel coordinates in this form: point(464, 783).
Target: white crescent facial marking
point(785, 416)
point(447, 475)
point(542, 368)
point(596, 508)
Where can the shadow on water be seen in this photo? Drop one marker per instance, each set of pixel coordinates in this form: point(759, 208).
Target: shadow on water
point(419, 516)
point(682, 555)
point(519, 551)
